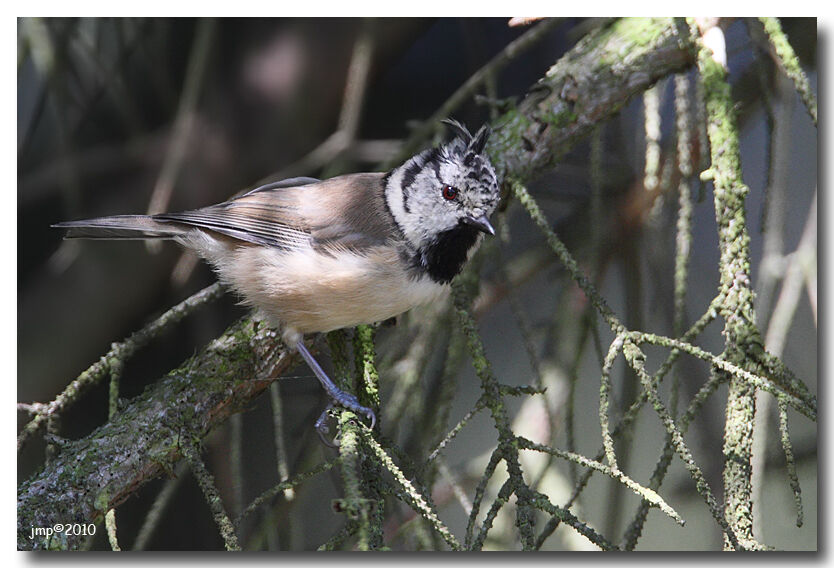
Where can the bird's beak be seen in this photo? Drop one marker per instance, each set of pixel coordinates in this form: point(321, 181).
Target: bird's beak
point(481, 223)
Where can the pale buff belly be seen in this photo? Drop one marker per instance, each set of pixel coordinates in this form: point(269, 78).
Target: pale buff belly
point(307, 291)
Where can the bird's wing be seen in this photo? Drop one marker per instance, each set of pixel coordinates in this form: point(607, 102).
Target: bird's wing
point(347, 211)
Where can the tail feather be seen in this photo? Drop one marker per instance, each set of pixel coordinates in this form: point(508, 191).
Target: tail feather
point(121, 227)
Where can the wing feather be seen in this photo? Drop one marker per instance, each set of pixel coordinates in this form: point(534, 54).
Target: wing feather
point(345, 212)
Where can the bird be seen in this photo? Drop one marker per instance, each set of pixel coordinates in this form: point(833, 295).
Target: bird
point(319, 255)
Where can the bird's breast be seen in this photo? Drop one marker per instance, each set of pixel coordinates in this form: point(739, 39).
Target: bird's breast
point(314, 291)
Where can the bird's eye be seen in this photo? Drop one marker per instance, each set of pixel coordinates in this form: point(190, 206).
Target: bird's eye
point(449, 192)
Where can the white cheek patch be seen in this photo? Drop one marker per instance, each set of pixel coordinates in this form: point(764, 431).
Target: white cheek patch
point(394, 195)
point(408, 222)
point(427, 212)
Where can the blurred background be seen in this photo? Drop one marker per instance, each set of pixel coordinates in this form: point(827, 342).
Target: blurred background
point(131, 115)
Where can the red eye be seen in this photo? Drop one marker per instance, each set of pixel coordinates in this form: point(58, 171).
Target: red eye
point(449, 192)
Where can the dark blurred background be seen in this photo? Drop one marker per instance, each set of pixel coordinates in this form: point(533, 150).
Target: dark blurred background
point(105, 125)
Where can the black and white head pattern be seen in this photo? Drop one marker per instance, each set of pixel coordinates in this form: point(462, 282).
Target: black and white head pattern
point(441, 199)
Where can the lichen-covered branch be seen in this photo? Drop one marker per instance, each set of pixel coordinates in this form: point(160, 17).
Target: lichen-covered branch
point(191, 450)
point(636, 359)
point(145, 439)
point(790, 63)
point(743, 343)
point(648, 494)
point(587, 86)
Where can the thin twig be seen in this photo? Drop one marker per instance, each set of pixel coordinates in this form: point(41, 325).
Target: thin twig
point(636, 359)
point(350, 116)
point(279, 434)
point(163, 499)
point(644, 492)
point(121, 351)
point(458, 491)
point(790, 64)
point(206, 481)
point(635, 528)
point(785, 308)
point(282, 487)
point(631, 413)
point(418, 502)
point(772, 265)
point(495, 458)
point(565, 257)
point(805, 405)
point(604, 391)
point(787, 448)
point(651, 117)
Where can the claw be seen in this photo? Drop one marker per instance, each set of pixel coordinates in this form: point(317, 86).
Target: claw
point(372, 417)
point(351, 403)
point(322, 429)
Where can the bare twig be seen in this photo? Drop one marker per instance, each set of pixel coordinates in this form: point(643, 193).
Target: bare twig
point(163, 499)
point(783, 311)
point(279, 434)
point(283, 487)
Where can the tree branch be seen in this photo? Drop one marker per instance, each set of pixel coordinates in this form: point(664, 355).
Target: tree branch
point(589, 85)
point(145, 440)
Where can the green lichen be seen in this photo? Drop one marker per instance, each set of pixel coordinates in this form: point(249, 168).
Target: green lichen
point(102, 501)
point(641, 32)
point(366, 373)
point(560, 117)
point(508, 133)
point(619, 41)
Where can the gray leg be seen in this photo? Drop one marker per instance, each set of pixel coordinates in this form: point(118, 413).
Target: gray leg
point(335, 393)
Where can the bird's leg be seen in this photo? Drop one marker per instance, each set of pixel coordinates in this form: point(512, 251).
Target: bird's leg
point(337, 395)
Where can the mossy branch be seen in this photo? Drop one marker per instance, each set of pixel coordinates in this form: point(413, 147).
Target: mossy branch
point(790, 64)
point(145, 439)
point(743, 342)
point(590, 84)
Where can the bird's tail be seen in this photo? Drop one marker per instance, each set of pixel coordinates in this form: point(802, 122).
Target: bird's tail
point(121, 227)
